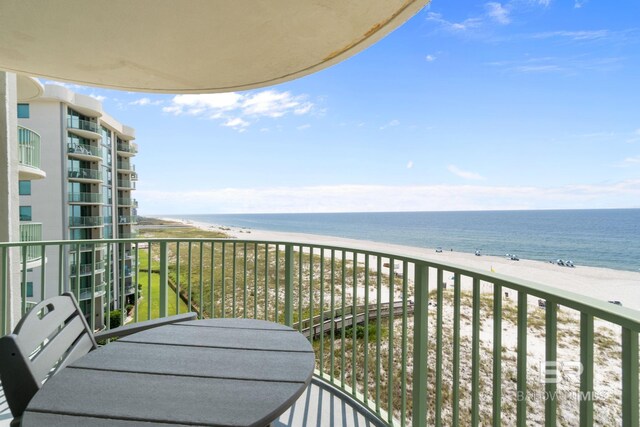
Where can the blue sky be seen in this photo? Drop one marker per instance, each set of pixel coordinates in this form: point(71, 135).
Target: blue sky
point(522, 104)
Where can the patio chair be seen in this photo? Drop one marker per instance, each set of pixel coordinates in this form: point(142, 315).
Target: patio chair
point(53, 334)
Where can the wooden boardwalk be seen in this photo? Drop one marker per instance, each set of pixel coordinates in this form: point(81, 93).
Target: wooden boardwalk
point(325, 323)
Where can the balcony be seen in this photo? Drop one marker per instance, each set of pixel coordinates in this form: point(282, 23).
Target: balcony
point(127, 219)
point(84, 128)
point(127, 149)
point(434, 343)
point(30, 256)
point(87, 269)
point(86, 221)
point(86, 198)
point(126, 166)
point(29, 155)
point(88, 293)
point(84, 151)
point(127, 201)
point(85, 175)
point(125, 184)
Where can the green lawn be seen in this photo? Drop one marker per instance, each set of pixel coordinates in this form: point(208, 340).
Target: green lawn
point(143, 304)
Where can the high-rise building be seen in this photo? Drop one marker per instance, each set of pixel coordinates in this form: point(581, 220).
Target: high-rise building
point(87, 194)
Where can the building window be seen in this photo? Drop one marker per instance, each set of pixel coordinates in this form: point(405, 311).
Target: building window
point(29, 289)
point(23, 111)
point(25, 213)
point(24, 188)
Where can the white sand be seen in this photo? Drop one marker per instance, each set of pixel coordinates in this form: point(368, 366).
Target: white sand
point(601, 283)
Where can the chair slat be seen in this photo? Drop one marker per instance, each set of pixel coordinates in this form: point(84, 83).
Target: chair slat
point(33, 330)
point(84, 345)
point(57, 347)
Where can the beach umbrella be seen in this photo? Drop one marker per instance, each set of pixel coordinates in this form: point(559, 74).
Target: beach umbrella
point(194, 46)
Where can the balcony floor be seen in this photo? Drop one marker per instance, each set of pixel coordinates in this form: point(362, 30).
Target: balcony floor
point(319, 405)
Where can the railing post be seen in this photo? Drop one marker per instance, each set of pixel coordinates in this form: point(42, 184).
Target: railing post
point(164, 277)
point(288, 285)
point(420, 320)
point(630, 417)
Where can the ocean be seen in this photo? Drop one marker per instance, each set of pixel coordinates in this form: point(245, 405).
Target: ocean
point(599, 237)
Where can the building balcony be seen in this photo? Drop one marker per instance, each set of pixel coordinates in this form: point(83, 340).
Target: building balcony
point(126, 184)
point(86, 198)
point(84, 151)
point(86, 221)
point(433, 343)
point(127, 219)
point(29, 155)
point(30, 256)
point(87, 269)
point(89, 294)
point(127, 201)
point(125, 149)
point(84, 128)
point(85, 175)
point(126, 166)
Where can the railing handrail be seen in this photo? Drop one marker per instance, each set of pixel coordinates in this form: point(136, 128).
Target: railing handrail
point(622, 316)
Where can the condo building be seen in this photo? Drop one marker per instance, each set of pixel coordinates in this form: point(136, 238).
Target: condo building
point(86, 157)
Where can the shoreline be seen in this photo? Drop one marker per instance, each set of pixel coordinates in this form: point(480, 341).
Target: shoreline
point(597, 282)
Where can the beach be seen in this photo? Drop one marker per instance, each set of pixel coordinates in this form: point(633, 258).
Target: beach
point(600, 283)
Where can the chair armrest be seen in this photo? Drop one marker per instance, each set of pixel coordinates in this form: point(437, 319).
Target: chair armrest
point(132, 328)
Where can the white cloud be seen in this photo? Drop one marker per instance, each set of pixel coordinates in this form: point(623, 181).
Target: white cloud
point(236, 123)
point(454, 26)
point(464, 174)
point(630, 161)
point(100, 98)
point(145, 101)
point(430, 58)
point(303, 127)
point(498, 12)
point(410, 164)
point(392, 123)
point(371, 198)
point(249, 107)
point(635, 137)
point(574, 35)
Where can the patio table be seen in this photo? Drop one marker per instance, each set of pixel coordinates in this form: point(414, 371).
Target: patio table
point(232, 372)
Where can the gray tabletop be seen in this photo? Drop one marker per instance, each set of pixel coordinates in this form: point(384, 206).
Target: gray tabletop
point(226, 372)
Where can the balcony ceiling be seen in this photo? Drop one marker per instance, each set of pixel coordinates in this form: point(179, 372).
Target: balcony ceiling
point(189, 47)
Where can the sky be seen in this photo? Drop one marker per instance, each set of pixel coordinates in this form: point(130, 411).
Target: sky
point(470, 105)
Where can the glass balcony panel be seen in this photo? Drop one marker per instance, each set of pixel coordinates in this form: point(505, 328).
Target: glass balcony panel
point(84, 150)
point(28, 147)
point(86, 221)
point(76, 123)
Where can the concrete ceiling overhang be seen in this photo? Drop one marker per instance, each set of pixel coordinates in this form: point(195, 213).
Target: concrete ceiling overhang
point(196, 46)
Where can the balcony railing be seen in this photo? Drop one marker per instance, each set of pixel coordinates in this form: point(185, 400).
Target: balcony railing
point(127, 219)
point(88, 292)
point(429, 343)
point(84, 149)
point(31, 232)
point(76, 123)
point(95, 198)
point(87, 268)
point(126, 165)
point(127, 148)
point(28, 147)
point(86, 221)
point(84, 173)
point(125, 183)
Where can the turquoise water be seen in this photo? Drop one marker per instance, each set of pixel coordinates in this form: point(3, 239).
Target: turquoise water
point(602, 238)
